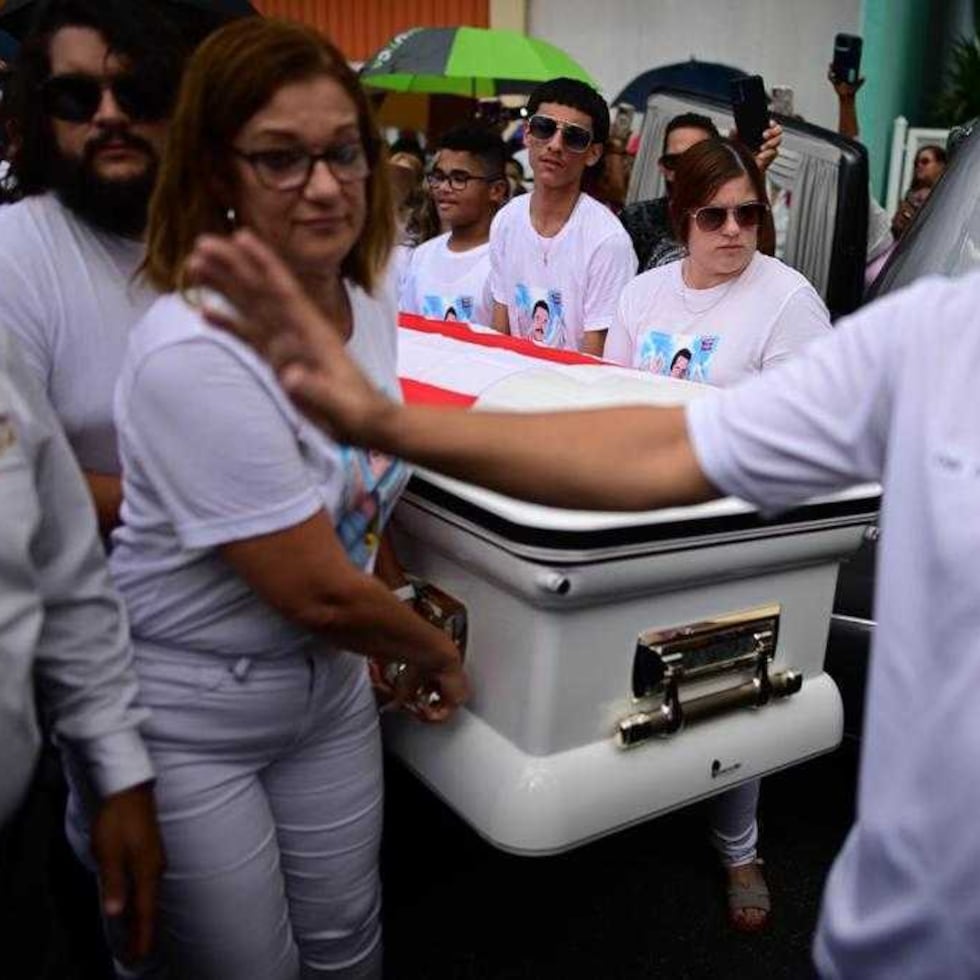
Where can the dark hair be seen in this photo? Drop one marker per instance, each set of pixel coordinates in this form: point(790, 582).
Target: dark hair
point(700, 173)
point(683, 352)
point(544, 306)
point(229, 79)
point(690, 120)
point(479, 141)
point(576, 95)
point(138, 32)
point(938, 152)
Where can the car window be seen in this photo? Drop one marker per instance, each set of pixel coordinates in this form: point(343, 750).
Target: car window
point(944, 238)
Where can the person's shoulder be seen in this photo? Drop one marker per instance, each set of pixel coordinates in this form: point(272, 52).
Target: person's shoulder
point(30, 221)
point(598, 224)
point(515, 210)
point(431, 249)
point(777, 275)
point(641, 286)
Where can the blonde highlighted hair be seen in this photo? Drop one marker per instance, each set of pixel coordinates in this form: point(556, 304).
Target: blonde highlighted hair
point(233, 74)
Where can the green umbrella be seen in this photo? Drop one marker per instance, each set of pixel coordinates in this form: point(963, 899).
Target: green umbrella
point(472, 61)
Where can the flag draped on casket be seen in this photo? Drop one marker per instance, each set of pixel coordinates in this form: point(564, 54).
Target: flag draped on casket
point(448, 363)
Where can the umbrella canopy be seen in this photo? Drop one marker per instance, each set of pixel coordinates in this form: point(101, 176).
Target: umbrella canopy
point(16, 15)
point(472, 61)
point(701, 77)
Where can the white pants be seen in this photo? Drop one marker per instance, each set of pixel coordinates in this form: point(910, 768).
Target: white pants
point(734, 829)
point(269, 792)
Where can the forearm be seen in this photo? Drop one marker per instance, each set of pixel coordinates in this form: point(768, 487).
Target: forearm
point(387, 567)
point(593, 342)
point(847, 122)
point(106, 491)
point(500, 319)
point(631, 458)
point(364, 616)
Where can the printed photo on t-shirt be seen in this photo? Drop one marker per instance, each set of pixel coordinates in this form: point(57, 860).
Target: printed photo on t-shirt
point(436, 307)
point(677, 355)
point(540, 315)
point(372, 482)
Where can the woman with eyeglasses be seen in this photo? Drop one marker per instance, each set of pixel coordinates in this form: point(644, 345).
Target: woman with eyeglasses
point(249, 538)
point(724, 312)
point(737, 309)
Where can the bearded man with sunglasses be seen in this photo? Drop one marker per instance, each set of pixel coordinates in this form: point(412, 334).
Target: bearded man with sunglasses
point(87, 108)
point(557, 245)
point(450, 273)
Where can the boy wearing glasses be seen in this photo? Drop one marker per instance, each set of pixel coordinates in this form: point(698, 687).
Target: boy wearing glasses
point(557, 248)
point(448, 276)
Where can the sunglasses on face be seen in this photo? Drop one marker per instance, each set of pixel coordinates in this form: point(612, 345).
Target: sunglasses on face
point(712, 217)
point(669, 161)
point(458, 180)
point(76, 98)
point(576, 138)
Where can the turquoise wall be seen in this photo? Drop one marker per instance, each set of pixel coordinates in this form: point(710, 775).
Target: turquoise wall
point(900, 60)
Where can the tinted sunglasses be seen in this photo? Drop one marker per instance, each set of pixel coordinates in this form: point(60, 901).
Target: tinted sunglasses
point(576, 138)
point(76, 98)
point(748, 215)
point(669, 161)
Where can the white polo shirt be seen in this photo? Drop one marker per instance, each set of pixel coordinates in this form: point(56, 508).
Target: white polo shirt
point(891, 396)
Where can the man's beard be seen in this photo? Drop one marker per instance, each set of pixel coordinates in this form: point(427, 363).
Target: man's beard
point(115, 205)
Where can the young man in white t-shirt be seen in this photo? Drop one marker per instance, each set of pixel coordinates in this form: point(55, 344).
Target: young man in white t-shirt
point(448, 277)
point(558, 258)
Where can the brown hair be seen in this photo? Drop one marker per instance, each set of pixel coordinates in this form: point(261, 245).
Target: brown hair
point(228, 80)
point(700, 173)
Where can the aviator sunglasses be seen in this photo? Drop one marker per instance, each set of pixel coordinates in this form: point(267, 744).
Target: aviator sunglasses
point(576, 138)
point(76, 98)
point(713, 217)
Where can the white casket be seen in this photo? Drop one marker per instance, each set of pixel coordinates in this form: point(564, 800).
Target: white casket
point(622, 665)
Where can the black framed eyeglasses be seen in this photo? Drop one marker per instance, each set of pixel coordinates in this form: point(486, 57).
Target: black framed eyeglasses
point(290, 169)
point(576, 138)
point(76, 97)
point(747, 215)
point(458, 180)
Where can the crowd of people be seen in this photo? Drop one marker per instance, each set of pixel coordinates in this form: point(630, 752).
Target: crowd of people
point(197, 580)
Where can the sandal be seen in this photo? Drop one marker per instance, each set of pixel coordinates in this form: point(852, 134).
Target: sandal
point(744, 896)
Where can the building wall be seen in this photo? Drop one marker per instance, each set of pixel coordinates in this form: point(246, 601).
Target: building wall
point(788, 42)
point(360, 27)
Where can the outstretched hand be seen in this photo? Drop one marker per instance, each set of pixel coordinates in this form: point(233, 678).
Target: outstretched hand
point(279, 319)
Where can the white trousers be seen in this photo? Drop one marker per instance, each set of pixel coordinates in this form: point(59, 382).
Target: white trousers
point(269, 792)
point(734, 828)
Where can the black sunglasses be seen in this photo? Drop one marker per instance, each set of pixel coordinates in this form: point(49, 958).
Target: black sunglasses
point(669, 161)
point(748, 215)
point(576, 138)
point(76, 98)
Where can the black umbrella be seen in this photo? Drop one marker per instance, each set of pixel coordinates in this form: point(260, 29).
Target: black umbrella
point(16, 16)
point(701, 77)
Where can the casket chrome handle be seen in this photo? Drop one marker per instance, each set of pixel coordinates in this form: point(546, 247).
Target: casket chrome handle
point(672, 714)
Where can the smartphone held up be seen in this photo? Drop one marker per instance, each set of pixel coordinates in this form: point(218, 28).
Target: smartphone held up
point(750, 107)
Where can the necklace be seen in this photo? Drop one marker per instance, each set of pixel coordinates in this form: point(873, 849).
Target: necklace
point(685, 289)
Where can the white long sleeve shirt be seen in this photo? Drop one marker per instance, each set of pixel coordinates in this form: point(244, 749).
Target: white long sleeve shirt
point(62, 626)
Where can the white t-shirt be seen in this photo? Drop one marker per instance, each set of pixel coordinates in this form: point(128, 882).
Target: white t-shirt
point(69, 293)
point(718, 335)
point(442, 284)
point(213, 452)
point(557, 289)
point(891, 396)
